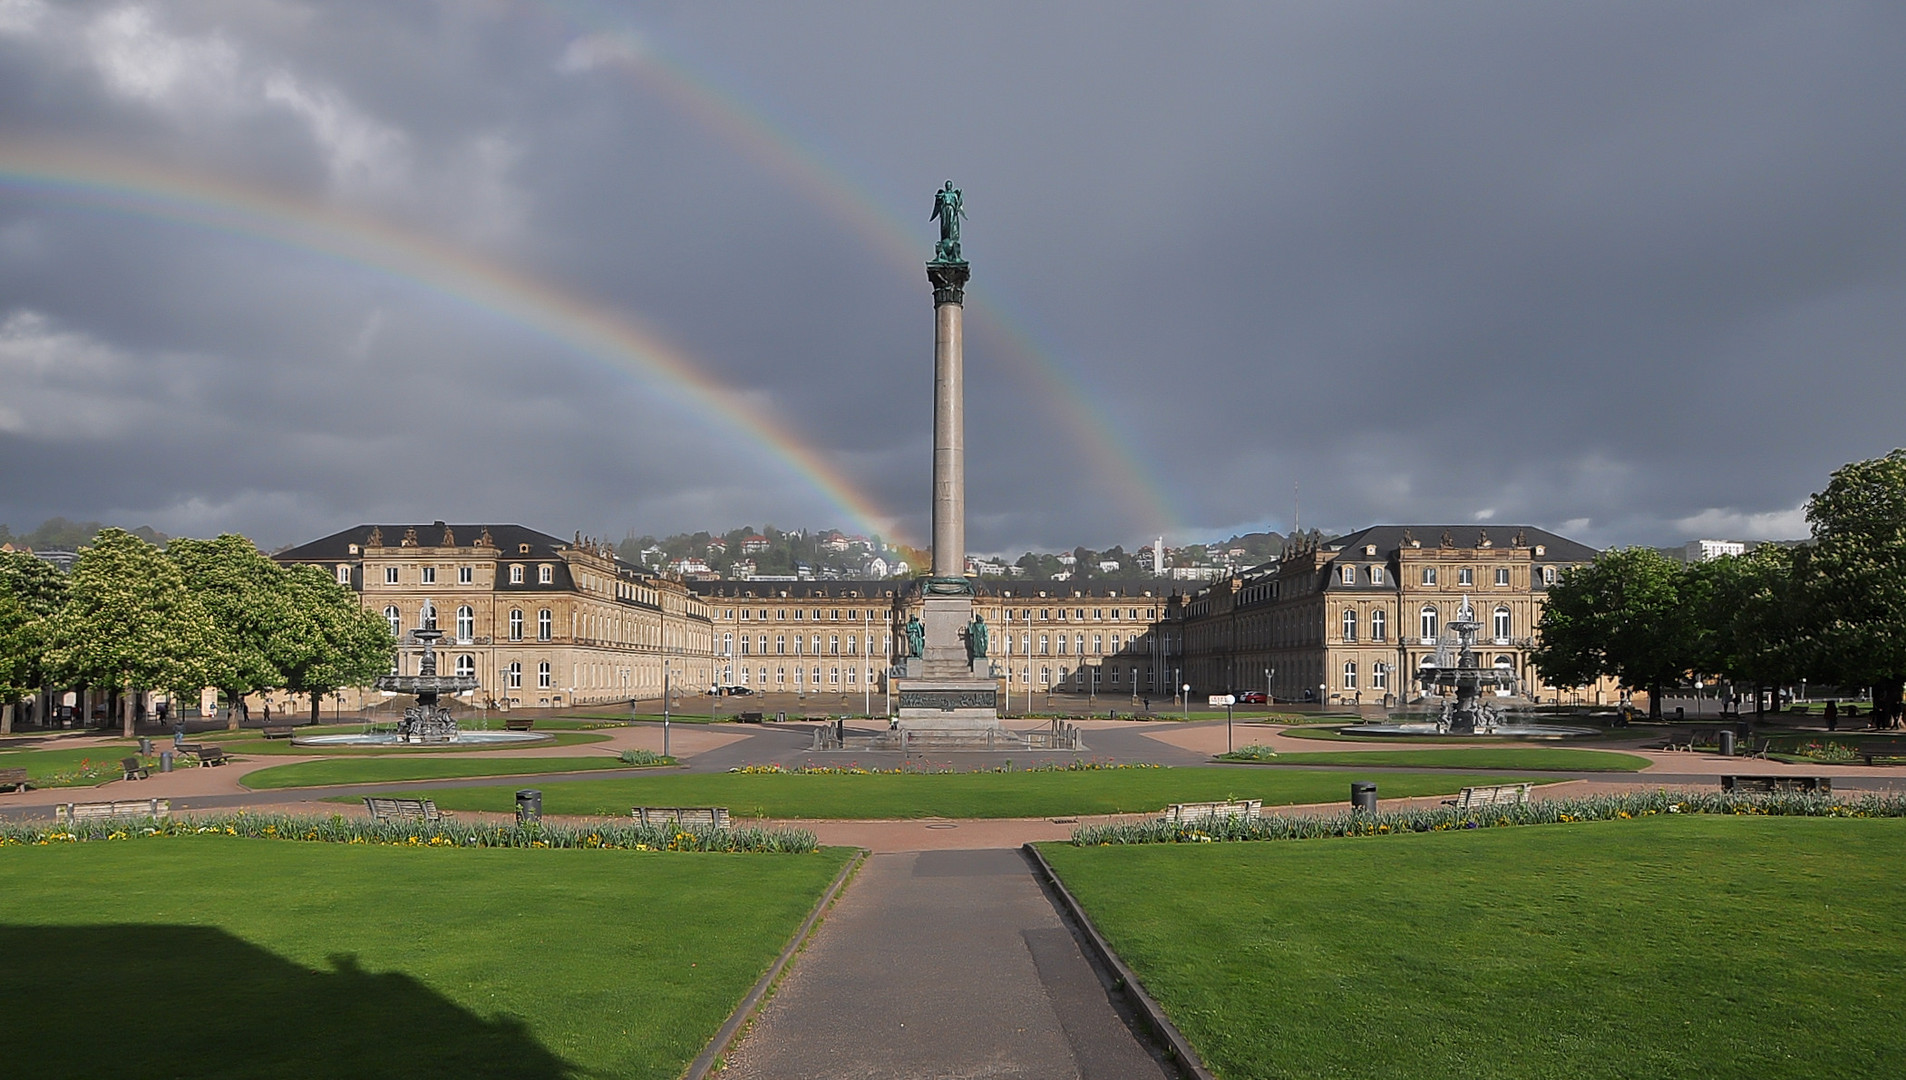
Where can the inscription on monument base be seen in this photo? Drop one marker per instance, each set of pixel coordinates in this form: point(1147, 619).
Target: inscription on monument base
point(949, 700)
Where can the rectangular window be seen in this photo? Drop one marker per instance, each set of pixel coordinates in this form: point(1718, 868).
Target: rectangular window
point(1466, 576)
point(781, 645)
point(1502, 575)
point(429, 575)
point(545, 625)
point(1429, 575)
point(516, 676)
point(1098, 644)
point(543, 677)
point(1377, 627)
point(545, 574)
point(833, 644)
point(390, 575)
point(1376, 575)
point(1045, 645)
point(516, 575)
point(1349, 575)
point(465, 575)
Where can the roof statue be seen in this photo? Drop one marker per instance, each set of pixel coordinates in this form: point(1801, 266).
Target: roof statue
point(485, 540)
point(376, 539)
point(410, 537)
point(1449, 541)
point(948, 208)
point(449, 537)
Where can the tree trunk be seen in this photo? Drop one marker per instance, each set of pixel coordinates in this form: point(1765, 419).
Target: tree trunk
point(317, 697)
point(125, 712)
point(6, 718)
point(1886, 702)
point(231, 718)
point(1654, 701)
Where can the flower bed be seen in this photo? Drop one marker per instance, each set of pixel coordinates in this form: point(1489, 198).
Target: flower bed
point(340, 830)
point(1543, 812)
point(928, 768)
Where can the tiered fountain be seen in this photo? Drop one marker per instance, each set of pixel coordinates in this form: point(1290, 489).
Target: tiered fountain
point(426, 723)
point(1458, 678)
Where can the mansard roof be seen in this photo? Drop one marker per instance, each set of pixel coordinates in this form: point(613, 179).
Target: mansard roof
point(1389, 539)
point(508, 539)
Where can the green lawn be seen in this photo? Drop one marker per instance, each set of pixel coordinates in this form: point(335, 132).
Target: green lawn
point(62, 767)
point(1541, 759)
point(224, 957)
point(1336, 733)
point(377, 770)
point(953, 795)
point(251, 743)
point(1669, 947)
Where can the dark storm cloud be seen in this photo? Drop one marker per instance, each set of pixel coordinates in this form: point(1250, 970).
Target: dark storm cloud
point(1631, 272)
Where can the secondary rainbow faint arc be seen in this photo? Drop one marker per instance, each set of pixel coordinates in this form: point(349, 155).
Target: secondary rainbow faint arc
point(1122, 468)
point(147, 191)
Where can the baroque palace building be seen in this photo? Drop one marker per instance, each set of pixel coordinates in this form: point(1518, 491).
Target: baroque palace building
point(1349, 620)
point(537, 620)
point(820, 637)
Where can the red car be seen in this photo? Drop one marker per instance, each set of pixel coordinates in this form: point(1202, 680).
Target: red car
point(1251, 697)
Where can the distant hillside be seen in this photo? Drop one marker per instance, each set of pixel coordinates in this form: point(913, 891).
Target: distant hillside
point(59, 534)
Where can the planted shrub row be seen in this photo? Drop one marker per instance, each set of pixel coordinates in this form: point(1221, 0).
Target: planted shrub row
point(1441, 819)
point(340, 830)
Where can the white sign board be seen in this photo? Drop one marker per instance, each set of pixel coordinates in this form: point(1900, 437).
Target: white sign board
point(1224, 699)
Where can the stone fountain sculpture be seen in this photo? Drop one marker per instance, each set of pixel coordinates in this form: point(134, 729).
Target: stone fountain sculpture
point(1459, 677)
point(426, 721)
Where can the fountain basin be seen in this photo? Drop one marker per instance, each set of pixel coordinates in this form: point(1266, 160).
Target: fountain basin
point(1429, 729)
point(391, 738)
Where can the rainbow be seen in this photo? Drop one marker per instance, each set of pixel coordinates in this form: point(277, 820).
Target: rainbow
point(1122, 468)
point(150, 192)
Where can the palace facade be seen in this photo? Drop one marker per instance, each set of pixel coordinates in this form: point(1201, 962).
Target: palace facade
point(1349, 620)
point(535, 619)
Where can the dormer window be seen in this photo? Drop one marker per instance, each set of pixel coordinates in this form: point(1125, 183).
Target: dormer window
point(1349, 575)
point(545, 574)
point(516, 574)
point(1376, 575)
point(522, 549)
point(344, 573)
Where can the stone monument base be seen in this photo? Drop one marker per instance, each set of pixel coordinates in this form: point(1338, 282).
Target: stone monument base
point(966, 705)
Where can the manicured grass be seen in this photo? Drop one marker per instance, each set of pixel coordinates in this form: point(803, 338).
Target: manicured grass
point(226, 957)
point(251, 743)
point(952, 795)
point(1537, 758)
point(377, 770)
point(62, 767)
point(1332, 733)
point(1667, 947)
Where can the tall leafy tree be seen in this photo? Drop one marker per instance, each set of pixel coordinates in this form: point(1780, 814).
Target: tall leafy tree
point(331, 642)
point(31, 590)
point(1630, 614)
point(1854, 578)
point(1751, 627)
point(130, 623)
point(249, 599)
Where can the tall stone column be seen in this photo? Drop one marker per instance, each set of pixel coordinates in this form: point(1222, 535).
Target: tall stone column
point(949, 418)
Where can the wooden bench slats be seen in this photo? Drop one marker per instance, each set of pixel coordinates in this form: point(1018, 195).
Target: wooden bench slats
point(389, 809)
point(278, 732)
point(715, 817)
point(1820, 784)
point(1494, 795)
point(1182, 813)
point(153, 808)
point(519, 723)
point(133, 769)
point(13, 778)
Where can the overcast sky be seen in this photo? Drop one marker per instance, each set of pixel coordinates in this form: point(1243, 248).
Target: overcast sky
point(1632, 272)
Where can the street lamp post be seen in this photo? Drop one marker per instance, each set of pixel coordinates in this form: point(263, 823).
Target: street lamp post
point(1697, 698)
point(1186, 688)
point(666, 665)
point(1269, 697)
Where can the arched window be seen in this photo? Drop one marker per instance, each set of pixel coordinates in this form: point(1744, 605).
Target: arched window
point(545, 625)
point(1349, 625)
point(542, 675)
point(516, 624)
point(1379, 676)
point(1378, 619)
point(516, 675)
point(1350, 675)
point(427, 616)
point(466, 667)
point(395, 620)
point(466, 623)
point(1502, 623)
point(1505, 662)
point(545, 574)
point(1428, 621)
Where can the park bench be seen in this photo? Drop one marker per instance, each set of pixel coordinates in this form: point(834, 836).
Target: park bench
point(279, 731)
point(1188, 812)
point(387, 809)
point(210, 755)
point(519, 723)
point(85, 811)
point(712, 817)
point(133, 769)
point(1495, 795)
point(748, 718)
point(1819, 784)
point(13, 778)
point(1887, 756)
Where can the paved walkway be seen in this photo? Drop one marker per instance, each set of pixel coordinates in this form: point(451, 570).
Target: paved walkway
point(943, 964)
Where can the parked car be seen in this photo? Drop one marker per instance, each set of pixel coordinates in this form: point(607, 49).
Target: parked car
point(1251, 697)
point(737, 691)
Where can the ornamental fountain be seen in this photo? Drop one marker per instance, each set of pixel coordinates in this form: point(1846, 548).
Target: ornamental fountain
point(1457, 676)
point(425, 723)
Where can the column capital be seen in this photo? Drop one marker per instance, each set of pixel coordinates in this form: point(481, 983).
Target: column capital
point(949, 281)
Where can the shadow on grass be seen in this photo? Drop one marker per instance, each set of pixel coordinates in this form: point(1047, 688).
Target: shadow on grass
point(138, 1001)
